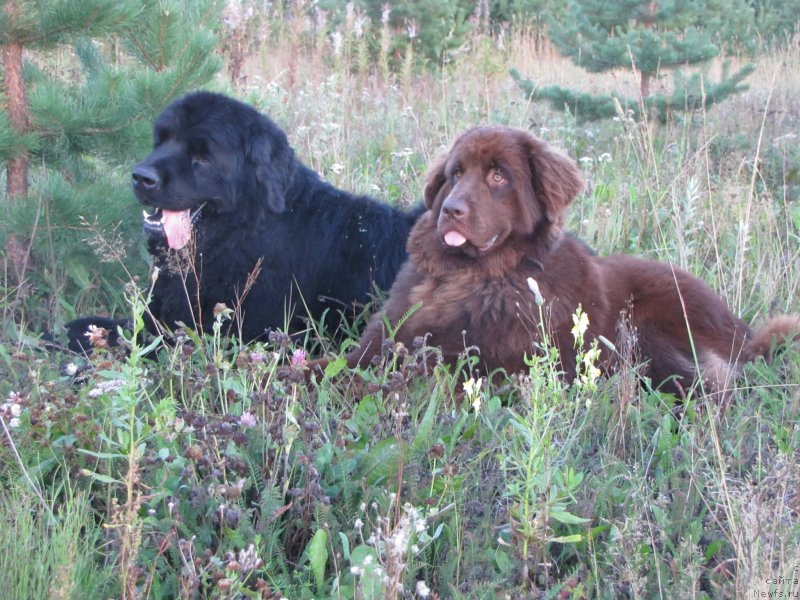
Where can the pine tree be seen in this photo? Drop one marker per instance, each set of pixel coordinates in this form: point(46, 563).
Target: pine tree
point(80, 110)
point(32, 25)
point(650, 36)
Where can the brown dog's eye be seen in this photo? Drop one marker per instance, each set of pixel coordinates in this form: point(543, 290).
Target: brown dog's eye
point(497, 176)
point(457, 174)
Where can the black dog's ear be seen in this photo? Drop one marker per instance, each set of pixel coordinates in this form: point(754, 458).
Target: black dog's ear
point(273, 161)
point(556, 179)
point(435, 181)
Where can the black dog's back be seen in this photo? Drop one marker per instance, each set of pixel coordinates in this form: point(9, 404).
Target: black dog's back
point(350, 244)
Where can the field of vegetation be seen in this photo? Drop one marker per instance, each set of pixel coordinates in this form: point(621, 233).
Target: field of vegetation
point(215, 472)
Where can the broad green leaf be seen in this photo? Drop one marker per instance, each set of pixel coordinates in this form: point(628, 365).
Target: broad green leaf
point(335, 367)
point(103, 455)
point(345, 545)
point(364, 559)
point(568, 539)
point(563, 516)
point(318, 556)
point(425, 426)
point(99, 477)
point(380, 462)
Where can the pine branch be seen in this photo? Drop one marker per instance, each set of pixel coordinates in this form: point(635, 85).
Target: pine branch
point(689, 96)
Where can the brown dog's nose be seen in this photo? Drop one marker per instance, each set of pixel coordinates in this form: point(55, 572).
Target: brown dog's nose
point(455, 208)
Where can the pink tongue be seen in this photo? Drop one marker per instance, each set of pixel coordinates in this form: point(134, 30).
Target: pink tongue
point(453, 238)
point(178, 227)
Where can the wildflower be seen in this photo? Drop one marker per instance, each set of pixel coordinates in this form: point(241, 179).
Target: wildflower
point(422, 589)
point(472, 389)
point(298, 360)
point(533, 286)
point(11, 409)
point(580, 322)
point(337, 39)
point(249, 559)
point(97, 336)
point(590, 372)
point(105, 387)
point(247, 420)
point(222, 311)
point(607, 343)
point(257, 357)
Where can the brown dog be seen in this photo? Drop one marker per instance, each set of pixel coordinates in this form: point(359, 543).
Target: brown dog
point(496, 211)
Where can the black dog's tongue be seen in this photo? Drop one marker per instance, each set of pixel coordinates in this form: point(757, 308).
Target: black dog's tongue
point(177, 227)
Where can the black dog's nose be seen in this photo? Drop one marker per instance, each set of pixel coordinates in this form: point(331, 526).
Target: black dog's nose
point(145, 177)
point(455, 208)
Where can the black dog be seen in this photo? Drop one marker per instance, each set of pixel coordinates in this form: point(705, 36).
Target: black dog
point(233, 217)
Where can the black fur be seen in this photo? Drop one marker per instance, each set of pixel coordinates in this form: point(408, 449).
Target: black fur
point(321, 249)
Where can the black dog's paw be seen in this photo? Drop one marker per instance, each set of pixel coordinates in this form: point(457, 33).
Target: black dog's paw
point(86, 333)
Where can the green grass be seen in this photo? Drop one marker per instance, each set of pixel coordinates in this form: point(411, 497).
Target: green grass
point(213, 472)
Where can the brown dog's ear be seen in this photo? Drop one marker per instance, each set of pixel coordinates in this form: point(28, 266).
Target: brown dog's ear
point(435, 180)
point(556, 179)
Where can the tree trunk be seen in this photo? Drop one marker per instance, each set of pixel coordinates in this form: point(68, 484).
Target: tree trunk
point(17, 107)
point(644, 85)
point(649, 23)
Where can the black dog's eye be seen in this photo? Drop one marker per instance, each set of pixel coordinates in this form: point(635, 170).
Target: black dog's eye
point(199, 159)
point(160, 135)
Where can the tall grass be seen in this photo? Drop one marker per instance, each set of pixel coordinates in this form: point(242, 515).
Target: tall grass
point(54, 553)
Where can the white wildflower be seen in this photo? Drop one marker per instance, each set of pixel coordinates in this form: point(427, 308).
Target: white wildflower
point(472, 389)
point(533, 286)
point(107, 387)
point(607, 343)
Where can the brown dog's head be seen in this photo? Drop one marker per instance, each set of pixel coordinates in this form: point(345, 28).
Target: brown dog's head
point(498, 183)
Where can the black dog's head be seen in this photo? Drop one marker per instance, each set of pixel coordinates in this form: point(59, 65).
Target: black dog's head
point(212, 155)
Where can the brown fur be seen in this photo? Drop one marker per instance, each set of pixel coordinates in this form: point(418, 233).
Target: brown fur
point(505, 192)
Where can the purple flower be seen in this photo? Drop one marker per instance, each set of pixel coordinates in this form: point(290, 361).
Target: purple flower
point(299, 358)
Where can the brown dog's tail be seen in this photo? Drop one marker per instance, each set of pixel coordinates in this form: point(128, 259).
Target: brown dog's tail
point(775, 332)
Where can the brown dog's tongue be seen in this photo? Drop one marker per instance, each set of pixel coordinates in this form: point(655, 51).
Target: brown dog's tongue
point(453, 238)
point(178, 227)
